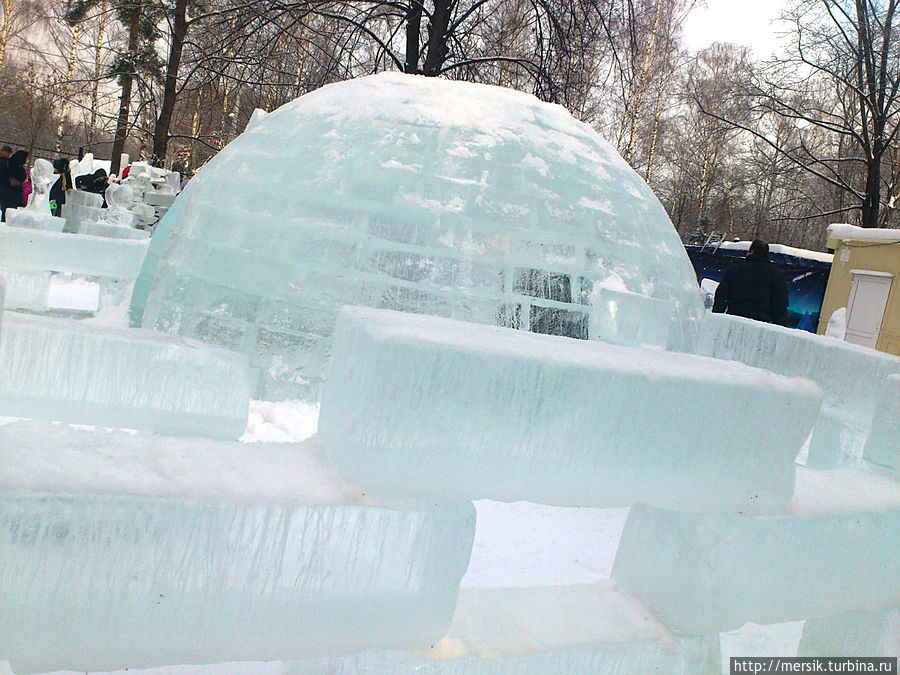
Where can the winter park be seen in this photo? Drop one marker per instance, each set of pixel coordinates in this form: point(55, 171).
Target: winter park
point(457, 337)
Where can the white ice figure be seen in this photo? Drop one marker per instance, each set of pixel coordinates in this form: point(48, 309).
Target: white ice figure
point(81, 167)
point(119, 198)
point(130, 551)
point(42, 178)
point(418, 406)
point(404, 192)
point(61, 369)
point(834, 550)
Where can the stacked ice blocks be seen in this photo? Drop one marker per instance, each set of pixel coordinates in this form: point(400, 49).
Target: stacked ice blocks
point(834, 550)
point(419, 406)
point(850, 376)
point(34, 220)
point(66, 370)
point(883, 443)
point(131, 551)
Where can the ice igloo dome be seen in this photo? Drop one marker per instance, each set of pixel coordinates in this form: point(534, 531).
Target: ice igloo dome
point(405, 192)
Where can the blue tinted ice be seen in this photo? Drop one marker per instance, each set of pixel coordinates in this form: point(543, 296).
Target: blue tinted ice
point(883, 444)
point(834, 551)
point(60, 369)
point(431, 407)
point(418, 194)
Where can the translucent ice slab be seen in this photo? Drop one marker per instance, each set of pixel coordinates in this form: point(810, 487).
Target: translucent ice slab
point(33, 220)
point(82, 198)
point(854, 633)
point(25, 250)
point(622, 317)
point(848, 374)
point(99, 229)
point(429, 407)
point(76, 214)
point(26, 291)
point(502, 212)
point(65, 370)
point(883, 445)
point(834, 551)
point(207, 570)
point(555, 630)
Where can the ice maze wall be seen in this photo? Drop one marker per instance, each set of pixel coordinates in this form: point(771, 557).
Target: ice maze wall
point(503, 211)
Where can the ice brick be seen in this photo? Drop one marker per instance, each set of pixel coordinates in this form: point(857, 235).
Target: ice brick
point(883, 444)
point(498, 214)
point(25, 250)
point(834, 551)
point(423, 406)
point(33, 220)
point(66, 370)
point(622, 317)
point(853, 634)
point(848, 374)
point(76, 214)
point(100, 229)
point(82, 198)
point(577, 629)
point(208, 570)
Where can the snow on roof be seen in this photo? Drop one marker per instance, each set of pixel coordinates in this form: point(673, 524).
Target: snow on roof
point(845, 231)
point(783, 250)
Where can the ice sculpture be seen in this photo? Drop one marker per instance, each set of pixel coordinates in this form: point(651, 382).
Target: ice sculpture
point(107, 573)
point(61, 369)
point(431, 407)
point(863, 633)
point(883, 443)
point(848, 374)
point(37, 214)
point(834, 551)
point(555, 630)
point(385, 191)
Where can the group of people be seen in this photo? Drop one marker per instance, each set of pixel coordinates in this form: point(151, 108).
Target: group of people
point(15, 182)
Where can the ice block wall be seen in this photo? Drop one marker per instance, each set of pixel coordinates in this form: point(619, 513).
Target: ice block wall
point(883, 443)
point(96, 581)
point(503, 211)
point(854, 633)
point(834, 551)
point(65, 370)
point(430, 407)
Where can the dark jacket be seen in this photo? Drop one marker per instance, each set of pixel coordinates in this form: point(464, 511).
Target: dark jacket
point(12, 179)
point(755, 289)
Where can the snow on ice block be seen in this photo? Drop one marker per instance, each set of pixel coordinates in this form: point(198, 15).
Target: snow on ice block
point(25, 250)
point(33, 220)
point(124, 550)
point(883, 445)
point(418, 406)
point(833, 551)
point(853, 633)
point(66, 370)
point(554, 630)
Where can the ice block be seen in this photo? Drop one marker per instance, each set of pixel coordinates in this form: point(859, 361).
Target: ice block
point(33, 220)
point(66, 370)
point(883, 444)
point(25, 250)
point(833, 551)
point(100, 229)
point(429, 407)
point(145, 551)
point(853, 634)
point(27, 290)
point(626, 318)
point(848, 374)
point(83, 198)
point(76, 214)
point(558, 630)
point(504, 213)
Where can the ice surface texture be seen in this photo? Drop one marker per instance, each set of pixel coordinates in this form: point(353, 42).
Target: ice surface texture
point(556, 630)
point(24, 250)
point(883, 444)
point(424, 406)
point(403, 192)
point(862, 633)
point(65, 370)
point(850, 376)
point(34, 220)
point(104, 582)
point(836, 551)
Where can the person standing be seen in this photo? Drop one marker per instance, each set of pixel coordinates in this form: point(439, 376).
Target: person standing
point(754, 289)
point(16, 175)
point(62, 185)
point(5, 153)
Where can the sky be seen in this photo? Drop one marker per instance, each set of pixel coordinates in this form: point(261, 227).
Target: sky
point(745, 22)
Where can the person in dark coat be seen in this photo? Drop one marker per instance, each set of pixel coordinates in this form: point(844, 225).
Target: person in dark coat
point(755, 288)
point(62, 184)
point(15, 175)
point(5, 153)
